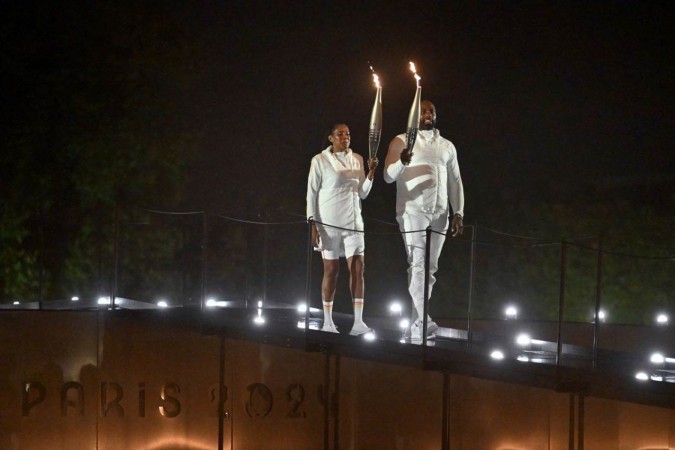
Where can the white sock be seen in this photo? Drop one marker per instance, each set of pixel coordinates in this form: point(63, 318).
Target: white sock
point(358, 310)
point(328, 313)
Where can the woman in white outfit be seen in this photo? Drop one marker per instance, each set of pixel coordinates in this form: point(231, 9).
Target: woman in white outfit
point(337, 183)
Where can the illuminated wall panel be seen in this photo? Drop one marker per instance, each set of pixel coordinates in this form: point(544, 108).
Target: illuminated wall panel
point(136, 380)
point(389, 407)
point(167, 377)
point(502, 416)
point(275, 397)
point(626, 426)
point(42, 357)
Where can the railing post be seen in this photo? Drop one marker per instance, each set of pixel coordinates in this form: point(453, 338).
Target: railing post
point(308, 273)
point(264, 268)
point(427, 264)
point(469, 328)
point(41, 273)
point(561, 302)
point(116, 257)
point(598, 295)
point(205, 241)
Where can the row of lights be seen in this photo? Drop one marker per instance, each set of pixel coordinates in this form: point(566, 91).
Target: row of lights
point(103, 300)
point(524, 340)
point(510, 312)
point(662, 361)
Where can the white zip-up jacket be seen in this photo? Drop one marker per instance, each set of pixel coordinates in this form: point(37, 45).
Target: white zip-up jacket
point(430, 180)
point(337, 183)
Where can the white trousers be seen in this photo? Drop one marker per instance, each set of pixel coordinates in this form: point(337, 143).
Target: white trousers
point(415, 247)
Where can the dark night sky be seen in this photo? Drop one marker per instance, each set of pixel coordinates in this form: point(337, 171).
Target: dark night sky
point(537, 96)
point(533, 94)
point(557, 109)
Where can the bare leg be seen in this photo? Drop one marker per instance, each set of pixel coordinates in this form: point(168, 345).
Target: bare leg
point(356, 284)
point(356, 266)
point(331, 270)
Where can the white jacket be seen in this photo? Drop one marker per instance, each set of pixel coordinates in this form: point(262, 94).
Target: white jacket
point(336, 185)
point(430, 180)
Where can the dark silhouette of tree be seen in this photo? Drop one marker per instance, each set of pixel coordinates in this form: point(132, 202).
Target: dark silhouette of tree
point(100, 93)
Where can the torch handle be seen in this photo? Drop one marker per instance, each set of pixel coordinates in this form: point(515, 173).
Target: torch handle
point(374, 141)
point(410, 138)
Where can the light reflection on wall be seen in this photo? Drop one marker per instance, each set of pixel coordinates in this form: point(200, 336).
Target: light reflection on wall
point(179, 444)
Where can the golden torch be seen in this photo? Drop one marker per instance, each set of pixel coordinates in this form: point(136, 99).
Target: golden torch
point(414, 116)
point(375, 130)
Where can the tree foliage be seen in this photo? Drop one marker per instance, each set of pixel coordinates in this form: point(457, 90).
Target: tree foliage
point(100, 93)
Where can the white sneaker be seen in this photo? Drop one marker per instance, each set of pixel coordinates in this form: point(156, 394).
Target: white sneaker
point(330, 328)
point(416, 330)
point(360, 328)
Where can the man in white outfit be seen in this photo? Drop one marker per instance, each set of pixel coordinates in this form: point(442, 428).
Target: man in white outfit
point(336, 185)
point(427, 177)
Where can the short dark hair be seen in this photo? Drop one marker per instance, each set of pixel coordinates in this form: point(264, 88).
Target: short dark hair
point(332, 129)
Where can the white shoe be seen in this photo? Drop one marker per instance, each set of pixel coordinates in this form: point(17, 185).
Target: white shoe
point(360, 328)
point(432, 327)
point(330, 328)
point(416, 330)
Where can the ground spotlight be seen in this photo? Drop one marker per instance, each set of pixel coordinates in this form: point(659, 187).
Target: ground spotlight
point(662, 319)
point(210, 303)
point(523, 340)
point(497, 354)
point(259, 319)
point(162, 304)
point(302, 308)
point(642, 376)
point(511, 312)
point(601, 315)
point(369, 336)
point(15, 302)
point(523, 358)
point(395, 308)
point(103, 300)
point(74, 299)
point(404, 323)
point(657, 358)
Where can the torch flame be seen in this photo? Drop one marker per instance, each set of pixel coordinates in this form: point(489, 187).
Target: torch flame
point(414, 71)
point(376, 79)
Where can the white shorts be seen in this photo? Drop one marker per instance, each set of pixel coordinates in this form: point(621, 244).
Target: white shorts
point(339, 243)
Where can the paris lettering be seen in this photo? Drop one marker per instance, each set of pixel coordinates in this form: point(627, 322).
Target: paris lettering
point(260, 400)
